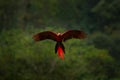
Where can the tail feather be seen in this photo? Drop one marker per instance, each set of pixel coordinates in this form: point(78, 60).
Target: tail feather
point(60, 53)
point(59, 48)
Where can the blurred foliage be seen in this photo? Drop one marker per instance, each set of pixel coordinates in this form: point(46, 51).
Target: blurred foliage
point(76, 14)
point(23, 59)
point(95, 58)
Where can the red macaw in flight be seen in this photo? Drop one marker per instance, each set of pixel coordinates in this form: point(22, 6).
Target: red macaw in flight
point(59, 37)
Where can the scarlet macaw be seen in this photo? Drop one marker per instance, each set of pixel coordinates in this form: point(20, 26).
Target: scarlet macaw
point(59, 37)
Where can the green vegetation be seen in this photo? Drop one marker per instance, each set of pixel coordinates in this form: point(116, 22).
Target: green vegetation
point(23, 59)
point(95, 58)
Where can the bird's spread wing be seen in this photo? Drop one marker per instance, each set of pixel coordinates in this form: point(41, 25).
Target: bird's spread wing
point(73, 34)
point(45, 35)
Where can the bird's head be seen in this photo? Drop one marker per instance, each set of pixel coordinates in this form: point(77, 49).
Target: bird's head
point(59, 34)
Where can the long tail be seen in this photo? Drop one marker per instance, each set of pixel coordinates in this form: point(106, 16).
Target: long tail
point(59, 48)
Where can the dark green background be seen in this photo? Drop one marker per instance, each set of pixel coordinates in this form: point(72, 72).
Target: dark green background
point(95, 58)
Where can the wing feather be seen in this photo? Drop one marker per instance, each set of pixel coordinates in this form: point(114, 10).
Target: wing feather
point(73, 34)
point(45, 35)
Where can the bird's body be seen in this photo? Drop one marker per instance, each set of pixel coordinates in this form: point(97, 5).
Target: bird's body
point(59, 38)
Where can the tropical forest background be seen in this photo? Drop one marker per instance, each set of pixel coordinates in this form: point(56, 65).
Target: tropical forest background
point(95, 58)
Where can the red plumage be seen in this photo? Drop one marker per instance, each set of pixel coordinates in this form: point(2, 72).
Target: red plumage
point(60, 53)
point(59, 38)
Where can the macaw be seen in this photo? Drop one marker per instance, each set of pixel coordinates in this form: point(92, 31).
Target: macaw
point(59, 38)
